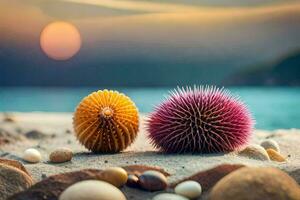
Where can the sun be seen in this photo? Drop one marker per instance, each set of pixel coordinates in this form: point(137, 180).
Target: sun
point(60, 40)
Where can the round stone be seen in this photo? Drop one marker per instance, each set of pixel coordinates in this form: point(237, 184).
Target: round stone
point(250, 183)
point(32, 155)
point(92, 190)
point(13, 180)
point(189, 189)
point(169, 196)
point(61, 155)
point(270, 144)
point(116, 176)
point(153, 181)
point(255, 152)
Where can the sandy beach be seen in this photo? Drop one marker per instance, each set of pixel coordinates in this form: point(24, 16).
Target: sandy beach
point(47, 131)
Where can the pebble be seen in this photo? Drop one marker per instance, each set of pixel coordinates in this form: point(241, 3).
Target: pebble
point(255, 152)
point(116, 176)
point(32, 155)
point(92, 190)
point(12, 181)
point(169, 196)
point(132, 181)
point(256, 183)
point(61, 155)
point(189, 189)
point(153, 181)
point(270, 144)
point(275, 156)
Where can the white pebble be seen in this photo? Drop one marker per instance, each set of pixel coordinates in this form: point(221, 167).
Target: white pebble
point(270, 144)
point(189, 189)
point(92, 190)
point(32, 155)
point(169, 196)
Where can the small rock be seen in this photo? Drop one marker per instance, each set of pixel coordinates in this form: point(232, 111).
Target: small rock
point(275, 156)
point(116, 176)
point(169, 196)
point(32, 155)
point(12, 181)
point(270, 144)
point(92, 189)
point(35, 135)
point(153, 181)
point(189, 189)
point(132, 181)
point(255, 152)
point(61, 155)
point(251, 183)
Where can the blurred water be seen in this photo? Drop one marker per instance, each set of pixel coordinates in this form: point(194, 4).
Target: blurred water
point(272, 108)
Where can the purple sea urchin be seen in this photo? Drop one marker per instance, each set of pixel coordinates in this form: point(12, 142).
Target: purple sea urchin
point(203, 120)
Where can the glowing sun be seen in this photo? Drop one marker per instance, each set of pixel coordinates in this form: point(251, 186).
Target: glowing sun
point(60, 40)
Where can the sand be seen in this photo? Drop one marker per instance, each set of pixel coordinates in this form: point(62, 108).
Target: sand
point(56, 131)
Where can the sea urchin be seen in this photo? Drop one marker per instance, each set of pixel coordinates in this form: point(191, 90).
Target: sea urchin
point(106, 121)
point(203, 120)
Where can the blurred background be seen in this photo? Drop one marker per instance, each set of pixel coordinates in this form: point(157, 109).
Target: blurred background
point(55, 52)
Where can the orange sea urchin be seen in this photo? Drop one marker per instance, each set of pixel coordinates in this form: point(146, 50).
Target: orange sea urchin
point(106, 121)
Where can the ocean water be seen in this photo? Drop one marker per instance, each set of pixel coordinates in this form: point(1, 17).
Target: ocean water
point(272, 108)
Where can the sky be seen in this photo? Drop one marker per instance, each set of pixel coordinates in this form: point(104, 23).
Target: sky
point(145, 43)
